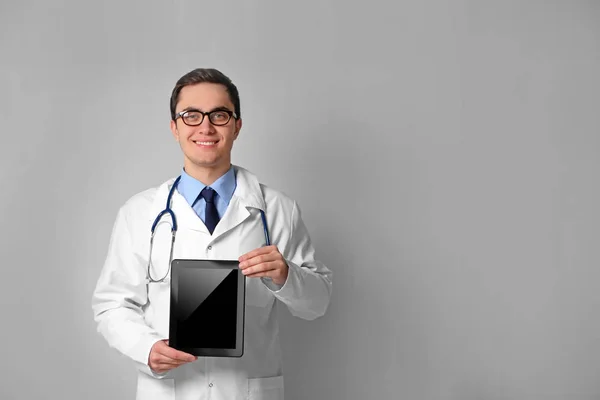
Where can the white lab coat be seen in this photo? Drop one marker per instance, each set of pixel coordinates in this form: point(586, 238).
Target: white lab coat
point(132, 315)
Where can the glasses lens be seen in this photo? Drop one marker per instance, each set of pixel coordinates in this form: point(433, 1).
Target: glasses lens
point(192, 118)
point(219, 117)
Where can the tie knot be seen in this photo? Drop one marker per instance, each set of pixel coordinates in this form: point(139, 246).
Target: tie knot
point(208, 194)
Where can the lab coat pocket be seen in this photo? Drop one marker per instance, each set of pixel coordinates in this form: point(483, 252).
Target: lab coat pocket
point(155, 389)
point(265, 388)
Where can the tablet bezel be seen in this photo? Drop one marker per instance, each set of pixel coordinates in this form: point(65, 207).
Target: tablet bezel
point(176, 266)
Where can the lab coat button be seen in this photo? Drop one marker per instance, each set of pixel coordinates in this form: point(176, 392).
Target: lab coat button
point(210, 385)
point(210, 247)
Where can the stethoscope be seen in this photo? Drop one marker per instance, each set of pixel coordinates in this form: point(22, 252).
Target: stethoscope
point(169, 211)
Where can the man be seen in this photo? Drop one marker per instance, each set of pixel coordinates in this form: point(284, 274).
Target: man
point(217, 206)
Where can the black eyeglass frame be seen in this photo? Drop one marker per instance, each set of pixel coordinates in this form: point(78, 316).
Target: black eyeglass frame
point(204, 114)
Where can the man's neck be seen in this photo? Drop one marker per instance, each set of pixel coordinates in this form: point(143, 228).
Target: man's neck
point(205, 175)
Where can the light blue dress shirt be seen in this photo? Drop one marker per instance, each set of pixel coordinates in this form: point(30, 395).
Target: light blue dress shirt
point(190, 189)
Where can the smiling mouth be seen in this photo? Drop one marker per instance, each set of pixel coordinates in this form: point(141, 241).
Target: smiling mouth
point(205, 143)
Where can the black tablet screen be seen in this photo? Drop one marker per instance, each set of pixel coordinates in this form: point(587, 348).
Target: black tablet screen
point(207, 315)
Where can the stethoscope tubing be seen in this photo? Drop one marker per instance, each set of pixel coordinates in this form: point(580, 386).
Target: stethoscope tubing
point(169, 211)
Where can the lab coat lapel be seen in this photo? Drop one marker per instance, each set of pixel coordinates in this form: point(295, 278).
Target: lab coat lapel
point(185, 215)
point(236, 214)
point(247, 195)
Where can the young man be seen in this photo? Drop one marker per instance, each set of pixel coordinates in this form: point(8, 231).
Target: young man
point(218, 210)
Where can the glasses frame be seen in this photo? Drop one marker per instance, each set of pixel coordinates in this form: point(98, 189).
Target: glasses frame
point(204, 114)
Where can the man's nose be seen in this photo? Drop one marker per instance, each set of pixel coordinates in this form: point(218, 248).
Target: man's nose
point(206, 126)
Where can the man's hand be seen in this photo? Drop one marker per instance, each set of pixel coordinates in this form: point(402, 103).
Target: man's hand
point(164, 358)
point(265, 262)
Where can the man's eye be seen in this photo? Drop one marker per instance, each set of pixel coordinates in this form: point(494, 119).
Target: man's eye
point(192, 116)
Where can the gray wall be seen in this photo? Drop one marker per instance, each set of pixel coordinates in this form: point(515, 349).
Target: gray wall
point(445, 156)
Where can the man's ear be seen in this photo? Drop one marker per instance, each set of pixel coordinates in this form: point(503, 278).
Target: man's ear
point(238, 128)
point(174, 130)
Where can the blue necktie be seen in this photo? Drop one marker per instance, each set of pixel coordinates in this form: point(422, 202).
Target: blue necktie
point(211, 216)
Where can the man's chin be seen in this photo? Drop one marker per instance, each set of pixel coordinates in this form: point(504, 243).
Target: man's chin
point(210, 164)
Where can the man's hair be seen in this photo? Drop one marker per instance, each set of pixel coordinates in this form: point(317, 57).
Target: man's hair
point(206, 75)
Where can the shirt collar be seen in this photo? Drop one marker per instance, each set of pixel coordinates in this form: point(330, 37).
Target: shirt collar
point(190, 187)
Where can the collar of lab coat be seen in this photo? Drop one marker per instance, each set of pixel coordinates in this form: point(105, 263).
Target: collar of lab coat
point(248, 189)
point(247, 194)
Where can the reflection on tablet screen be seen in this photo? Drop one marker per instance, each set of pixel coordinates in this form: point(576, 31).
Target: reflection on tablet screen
point(207, 317)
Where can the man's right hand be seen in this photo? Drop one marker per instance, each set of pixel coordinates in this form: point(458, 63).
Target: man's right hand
point(164, 358)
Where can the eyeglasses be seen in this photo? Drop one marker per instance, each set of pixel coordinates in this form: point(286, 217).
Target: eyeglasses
point(196, 117)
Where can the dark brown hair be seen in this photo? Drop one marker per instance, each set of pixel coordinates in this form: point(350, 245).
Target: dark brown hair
point(206, 75)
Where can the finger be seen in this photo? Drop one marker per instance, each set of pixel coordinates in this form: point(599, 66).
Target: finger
point(163, 349)
point(260, 259)
point(161, 363)
point(169, 361)
point(257, 252)
point(164, 367)
point(261, 268)
point(272, 275)
point(175, 354)
point(163, 358)
point(263, 274)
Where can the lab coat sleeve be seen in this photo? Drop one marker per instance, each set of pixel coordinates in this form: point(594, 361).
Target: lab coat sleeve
point(307, 289)
point(119, 297)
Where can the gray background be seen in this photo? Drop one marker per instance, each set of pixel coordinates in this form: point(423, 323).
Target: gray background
point(444, 154)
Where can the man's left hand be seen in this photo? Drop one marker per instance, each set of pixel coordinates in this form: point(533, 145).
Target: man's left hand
point(265, 262)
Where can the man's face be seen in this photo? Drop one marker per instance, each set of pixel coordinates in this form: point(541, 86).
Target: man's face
point(206, 146)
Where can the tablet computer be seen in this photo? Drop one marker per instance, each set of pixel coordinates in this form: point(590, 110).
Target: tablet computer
point(207, 307)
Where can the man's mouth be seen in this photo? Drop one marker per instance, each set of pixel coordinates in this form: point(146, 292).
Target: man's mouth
point(205, 143)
